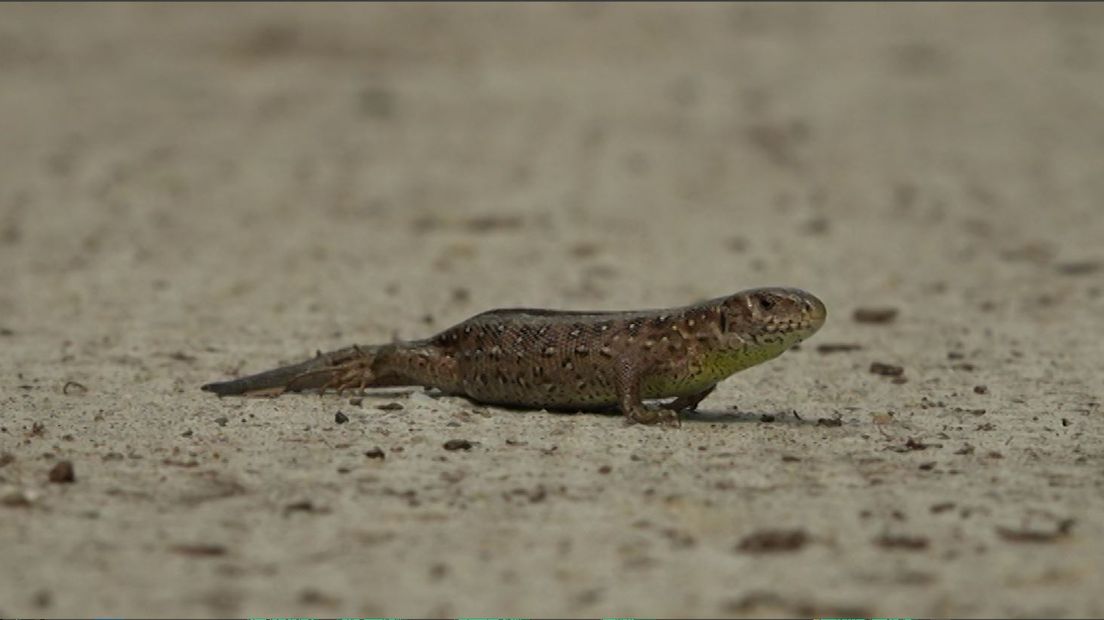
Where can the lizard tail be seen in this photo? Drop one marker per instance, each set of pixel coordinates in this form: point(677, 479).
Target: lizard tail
point(351, 367)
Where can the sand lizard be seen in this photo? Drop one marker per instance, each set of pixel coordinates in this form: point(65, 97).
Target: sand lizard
point(561, 360)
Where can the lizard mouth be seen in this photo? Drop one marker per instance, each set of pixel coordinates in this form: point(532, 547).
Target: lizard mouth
point(806, 327)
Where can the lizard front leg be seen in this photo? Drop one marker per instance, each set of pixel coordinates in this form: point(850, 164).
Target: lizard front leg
point(629, 377)
point(690, 402)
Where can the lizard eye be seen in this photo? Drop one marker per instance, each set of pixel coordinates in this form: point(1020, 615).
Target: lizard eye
point(766, 303)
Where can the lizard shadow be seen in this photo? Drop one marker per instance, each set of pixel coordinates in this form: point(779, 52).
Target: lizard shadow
point(697, 416)
point(704, 416)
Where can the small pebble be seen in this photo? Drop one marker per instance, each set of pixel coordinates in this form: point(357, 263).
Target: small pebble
point(340, 418)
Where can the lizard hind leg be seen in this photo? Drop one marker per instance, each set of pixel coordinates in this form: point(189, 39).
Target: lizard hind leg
point(355, 373)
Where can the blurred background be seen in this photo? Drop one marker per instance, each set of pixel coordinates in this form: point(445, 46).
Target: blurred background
point(190, 191)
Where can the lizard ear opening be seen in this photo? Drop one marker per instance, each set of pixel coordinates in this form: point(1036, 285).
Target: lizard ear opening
point(723, 316)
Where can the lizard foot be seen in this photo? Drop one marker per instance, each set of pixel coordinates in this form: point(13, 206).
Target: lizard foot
point(649, 416)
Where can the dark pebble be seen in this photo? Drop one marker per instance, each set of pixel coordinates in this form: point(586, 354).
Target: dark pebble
point(340, 418)
point(458, 444)
point(62, 473)
point(200, 550)
point(300, 506)
point(375, 453)
point(908, 543)
point(981, 389)
point(773, 541)
point(912, 444)
point(390, 407)
point(887, 370)
point(874, 315)
point(1079, 268)
point(834, 347)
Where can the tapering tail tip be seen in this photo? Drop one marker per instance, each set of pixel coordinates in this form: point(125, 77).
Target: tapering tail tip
point(314, 374)
point(220, 388)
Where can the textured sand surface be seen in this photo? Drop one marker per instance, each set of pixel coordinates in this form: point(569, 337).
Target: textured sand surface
point(194, 191)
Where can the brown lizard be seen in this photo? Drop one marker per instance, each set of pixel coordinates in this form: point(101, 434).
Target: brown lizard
point(551, 359)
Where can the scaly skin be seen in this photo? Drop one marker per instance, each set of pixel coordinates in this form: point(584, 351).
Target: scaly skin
point(548, 359)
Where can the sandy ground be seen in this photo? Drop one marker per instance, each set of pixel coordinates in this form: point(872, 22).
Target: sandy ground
point(190, 192)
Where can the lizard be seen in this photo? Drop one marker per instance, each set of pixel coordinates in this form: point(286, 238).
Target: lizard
point(570, 360)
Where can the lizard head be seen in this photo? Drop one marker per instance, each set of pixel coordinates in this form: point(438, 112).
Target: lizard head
point(770, 320)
